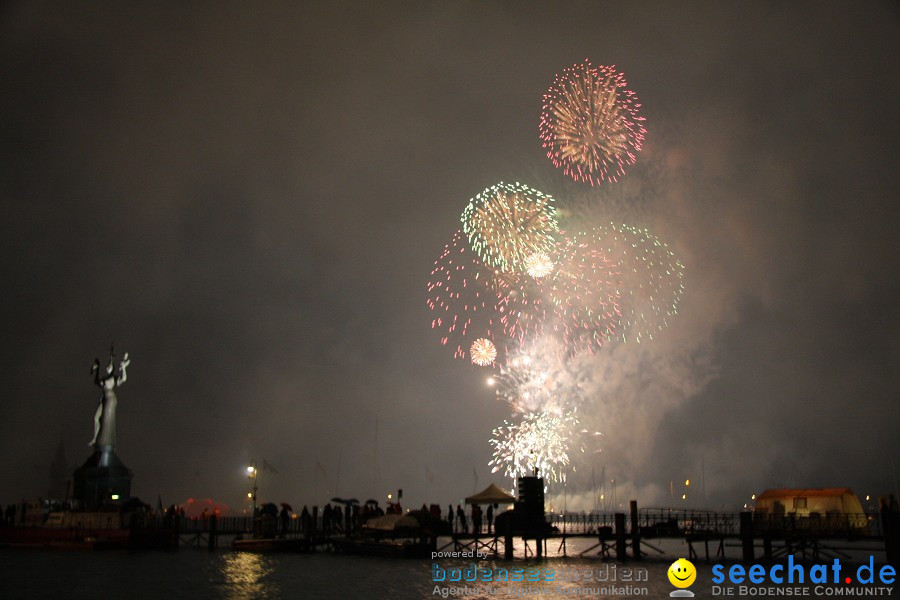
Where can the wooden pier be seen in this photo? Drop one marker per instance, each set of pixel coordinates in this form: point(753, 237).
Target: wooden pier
point(617, 536)
point(623, 537)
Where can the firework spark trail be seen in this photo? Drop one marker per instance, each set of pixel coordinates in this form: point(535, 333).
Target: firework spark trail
point(508, 223)
point(585, 293)
point(652, 277)
point(590, 124)
point(465, 306)
point(539, 379)
point(523, 309)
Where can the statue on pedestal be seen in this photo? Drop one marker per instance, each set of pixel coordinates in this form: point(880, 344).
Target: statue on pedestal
point(105, 417)
point(103, 478)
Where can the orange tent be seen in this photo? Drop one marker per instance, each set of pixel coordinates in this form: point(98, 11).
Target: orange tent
point(807, 501)
point(193, 507)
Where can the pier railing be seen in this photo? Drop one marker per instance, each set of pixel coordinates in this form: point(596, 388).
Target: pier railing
point(848, 525)
point(679, 522)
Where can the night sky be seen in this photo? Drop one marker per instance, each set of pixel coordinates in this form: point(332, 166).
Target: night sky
point(249, 197)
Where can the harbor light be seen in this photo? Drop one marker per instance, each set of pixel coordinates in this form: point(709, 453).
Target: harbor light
point(116, 497)
point(687, 483)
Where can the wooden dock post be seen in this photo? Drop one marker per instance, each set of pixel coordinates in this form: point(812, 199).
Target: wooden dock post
point(213, 532)
point(621, 543)
point(890, 527)
point(635, 532)
point(747, 535)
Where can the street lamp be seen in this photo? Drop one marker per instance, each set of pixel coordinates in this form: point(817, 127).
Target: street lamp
point(253, 473)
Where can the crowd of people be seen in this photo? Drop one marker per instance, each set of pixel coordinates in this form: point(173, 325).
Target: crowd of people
point(333, 518)
point(479, 524)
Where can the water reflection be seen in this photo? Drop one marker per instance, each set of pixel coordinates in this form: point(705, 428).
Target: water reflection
point(248, 575)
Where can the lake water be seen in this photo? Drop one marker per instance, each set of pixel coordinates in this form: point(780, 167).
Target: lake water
point(198, 573)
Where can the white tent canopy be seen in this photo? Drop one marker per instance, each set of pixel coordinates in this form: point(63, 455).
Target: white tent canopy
point(492, 494)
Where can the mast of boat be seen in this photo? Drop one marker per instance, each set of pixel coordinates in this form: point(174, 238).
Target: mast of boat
point(337, 483)
point(703, 479)
point(603, 495)
point(896, 487)
point(375, 474)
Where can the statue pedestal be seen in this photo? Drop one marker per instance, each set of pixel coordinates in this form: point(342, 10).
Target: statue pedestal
point(102, 476)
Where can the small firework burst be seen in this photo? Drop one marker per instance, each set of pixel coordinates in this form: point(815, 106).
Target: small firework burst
point(590, 125)
point(507, 223)
point(483, 352)
point(538, 441)
point(539, 265)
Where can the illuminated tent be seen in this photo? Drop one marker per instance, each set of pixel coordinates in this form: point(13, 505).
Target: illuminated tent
point(806, 502)
point(491, 495)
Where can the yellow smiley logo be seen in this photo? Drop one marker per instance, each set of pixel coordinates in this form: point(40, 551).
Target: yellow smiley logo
point(682, 573)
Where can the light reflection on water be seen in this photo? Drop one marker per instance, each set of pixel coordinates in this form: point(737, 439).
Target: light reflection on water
point(247, 575)
point(199, 574)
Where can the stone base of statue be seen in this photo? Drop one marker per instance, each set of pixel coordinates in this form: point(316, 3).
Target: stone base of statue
point(102, 479)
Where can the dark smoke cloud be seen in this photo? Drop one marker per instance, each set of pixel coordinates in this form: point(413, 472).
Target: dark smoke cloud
point(249, 199)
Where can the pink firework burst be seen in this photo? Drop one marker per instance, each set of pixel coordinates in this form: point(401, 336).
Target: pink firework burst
point(585, 293)
point(590, 124)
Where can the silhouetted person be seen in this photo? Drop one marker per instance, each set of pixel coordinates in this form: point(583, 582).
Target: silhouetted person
point(450, 516)
point(337, 517)
point(461, 517)
point(476, 518)
point(285, 517)
point(305, 521)
point(490, 517)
